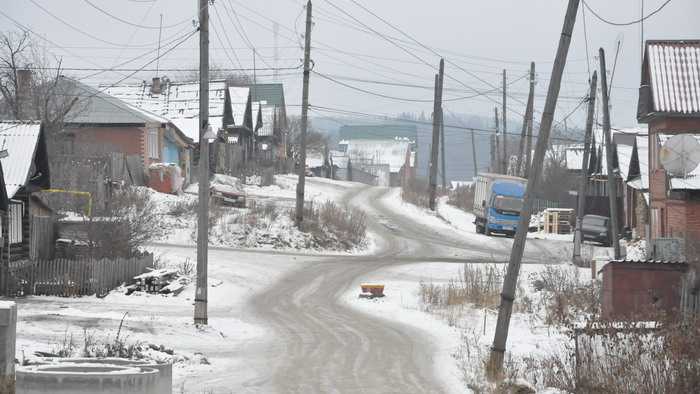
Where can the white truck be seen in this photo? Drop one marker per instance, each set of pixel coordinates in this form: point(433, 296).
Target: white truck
point(498, 200)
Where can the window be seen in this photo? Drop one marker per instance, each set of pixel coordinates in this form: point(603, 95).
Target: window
point(14, 232)
point(153, 151)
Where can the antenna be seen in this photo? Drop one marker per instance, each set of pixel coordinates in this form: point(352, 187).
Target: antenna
point(680, 155)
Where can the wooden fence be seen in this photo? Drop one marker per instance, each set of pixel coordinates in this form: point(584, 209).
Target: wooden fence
point(690, 295)
point(72, 278)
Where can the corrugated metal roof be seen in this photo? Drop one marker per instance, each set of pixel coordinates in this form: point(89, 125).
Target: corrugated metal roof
point(674, 76)
point(20, 140)
point(662, 262)
point(178, 102)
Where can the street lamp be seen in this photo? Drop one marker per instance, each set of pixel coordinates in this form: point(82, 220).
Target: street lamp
point(200, 297)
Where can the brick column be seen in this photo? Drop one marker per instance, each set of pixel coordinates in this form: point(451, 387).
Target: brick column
point(8, 329)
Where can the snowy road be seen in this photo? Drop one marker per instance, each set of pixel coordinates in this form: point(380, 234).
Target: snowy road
point(277, 321)
point(323, 346)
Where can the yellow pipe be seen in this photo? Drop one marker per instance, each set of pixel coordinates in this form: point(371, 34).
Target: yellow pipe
point(77, 193)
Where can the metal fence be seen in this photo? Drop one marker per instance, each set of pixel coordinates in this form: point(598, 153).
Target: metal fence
point(72, 278)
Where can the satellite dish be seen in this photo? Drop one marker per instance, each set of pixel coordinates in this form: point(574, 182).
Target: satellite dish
point(680, 155)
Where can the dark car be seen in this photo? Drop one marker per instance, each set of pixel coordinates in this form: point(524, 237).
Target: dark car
point(597, 229)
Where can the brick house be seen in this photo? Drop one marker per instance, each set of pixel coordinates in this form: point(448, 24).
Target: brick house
point(669, 103)
point(99, 123)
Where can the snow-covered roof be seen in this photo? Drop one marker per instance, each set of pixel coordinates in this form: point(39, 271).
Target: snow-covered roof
point(314, 159)
point(268, 118)
point(674, 76)
point(178, 102)
point(21, 141)
point(240, 97)
point(389, 152)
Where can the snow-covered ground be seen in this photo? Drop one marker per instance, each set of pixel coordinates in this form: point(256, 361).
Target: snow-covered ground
point(270, 226)
point(529, 336)
point(45, 323)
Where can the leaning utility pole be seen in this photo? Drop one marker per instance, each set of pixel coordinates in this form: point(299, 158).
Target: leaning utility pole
point(437, 119)
point(580, 211)
point(442, 150)
point(304, 119)
point(497, 167)
point(612, 178)
point(498, 348)
point(528, 113)
point(530, 117)
point(200, 297)
point(504, 113)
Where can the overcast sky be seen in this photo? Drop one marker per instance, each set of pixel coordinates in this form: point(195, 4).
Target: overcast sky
point(481, 37)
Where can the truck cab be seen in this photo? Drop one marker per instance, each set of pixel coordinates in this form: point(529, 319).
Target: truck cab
point(498, 202)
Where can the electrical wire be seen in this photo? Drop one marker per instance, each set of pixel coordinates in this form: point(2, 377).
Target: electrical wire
point(137, 25)
point(634, 22)
point(87, 34)
point(223, 27)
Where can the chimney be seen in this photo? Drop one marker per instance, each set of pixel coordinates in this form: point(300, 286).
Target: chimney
point(24, 93)
point(155, 87)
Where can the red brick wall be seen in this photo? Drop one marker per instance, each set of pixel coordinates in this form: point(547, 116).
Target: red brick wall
point(128, 140)
point(636, 290)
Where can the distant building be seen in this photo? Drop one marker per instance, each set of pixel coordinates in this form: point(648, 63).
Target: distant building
point(386, 152)
point(669, 103)
point(270, 113)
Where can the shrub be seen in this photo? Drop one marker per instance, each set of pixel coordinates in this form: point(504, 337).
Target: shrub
point(331, 224)
point(462, 197)
point(183, 207)
point(478, 285)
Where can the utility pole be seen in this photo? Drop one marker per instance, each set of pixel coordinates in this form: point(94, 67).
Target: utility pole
point(200, 298)
point(437, 119)
point(500, 338)
point(530, 117)
point(505, 128)
point(498, 134)
point(580, 211)
point(528, 113)
point(612, 178)
point(476, 168)
point(442, 150)
point(304, 119)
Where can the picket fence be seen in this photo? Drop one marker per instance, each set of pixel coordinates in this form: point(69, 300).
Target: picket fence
point(74, 277)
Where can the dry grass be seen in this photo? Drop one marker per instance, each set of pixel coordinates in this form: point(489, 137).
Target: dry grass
point(462, 198)
point(335, 226)
point(477, 285)
point(415, 191)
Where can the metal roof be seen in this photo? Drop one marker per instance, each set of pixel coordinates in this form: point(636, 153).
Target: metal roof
point(272, 93)
point(97, 107)
point(674, 76)
point(20, 139)
point(178, 102)
point(657, 262)
point(388, 152)
point(380, 132)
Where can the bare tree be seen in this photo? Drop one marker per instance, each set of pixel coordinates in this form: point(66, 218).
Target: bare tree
point(316, 141)
point(30, 83)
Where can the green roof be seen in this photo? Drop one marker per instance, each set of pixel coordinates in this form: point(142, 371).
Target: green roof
point(381, 132)
point(273, 93)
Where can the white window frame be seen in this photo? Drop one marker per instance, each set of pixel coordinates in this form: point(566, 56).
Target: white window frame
point(152, 142)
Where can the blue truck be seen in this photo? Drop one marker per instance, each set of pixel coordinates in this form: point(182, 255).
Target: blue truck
point(498, 200)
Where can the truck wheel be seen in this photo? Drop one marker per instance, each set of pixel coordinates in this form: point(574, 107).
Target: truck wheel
point(486, 230)
point(479, 229)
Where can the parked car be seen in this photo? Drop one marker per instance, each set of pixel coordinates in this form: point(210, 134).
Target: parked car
point(596, 228)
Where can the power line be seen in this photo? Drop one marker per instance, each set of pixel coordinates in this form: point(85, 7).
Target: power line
point(137, 25)
point(153, 69)
point(223, 27)
point(634, 22)
point(87, 34)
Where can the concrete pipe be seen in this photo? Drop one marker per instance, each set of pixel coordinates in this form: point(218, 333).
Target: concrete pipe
point(165, 375)
point(68, 378)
